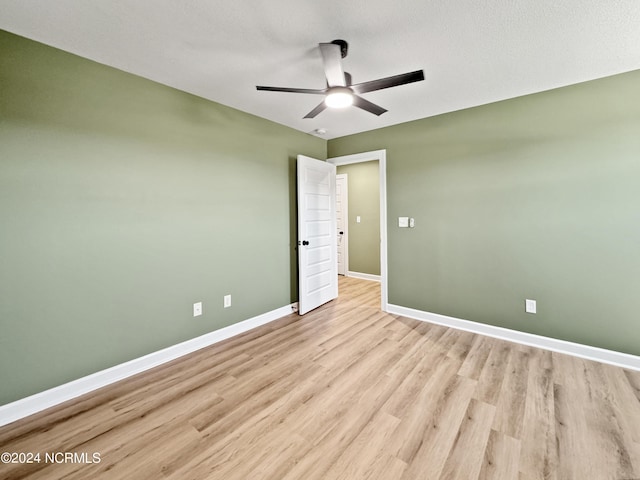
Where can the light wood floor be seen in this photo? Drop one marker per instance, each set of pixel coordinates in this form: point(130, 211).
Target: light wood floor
point(348, 392)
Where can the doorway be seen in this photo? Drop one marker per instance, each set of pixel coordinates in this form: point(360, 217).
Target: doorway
point(380, 156)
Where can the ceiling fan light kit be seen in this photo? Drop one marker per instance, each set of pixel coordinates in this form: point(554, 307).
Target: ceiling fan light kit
point(340, 93)
point(339, 97)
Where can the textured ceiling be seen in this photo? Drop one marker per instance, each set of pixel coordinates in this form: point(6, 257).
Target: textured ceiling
point(473, 52)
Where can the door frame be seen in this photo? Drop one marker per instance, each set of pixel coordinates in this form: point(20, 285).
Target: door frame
point(381, 157)
point(345, 211)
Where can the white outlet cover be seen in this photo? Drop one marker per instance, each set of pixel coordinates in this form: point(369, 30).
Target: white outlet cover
point(530, 306)
point(403, 222)
point(227, 301)
point(197, 309)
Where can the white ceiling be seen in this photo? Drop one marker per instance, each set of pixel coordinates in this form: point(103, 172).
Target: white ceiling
point(473, 52)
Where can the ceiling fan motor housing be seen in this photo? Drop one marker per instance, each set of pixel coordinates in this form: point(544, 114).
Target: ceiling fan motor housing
point(344, 47)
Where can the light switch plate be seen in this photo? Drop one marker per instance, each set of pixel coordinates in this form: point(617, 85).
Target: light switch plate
point(358, 219)
point(403, 222)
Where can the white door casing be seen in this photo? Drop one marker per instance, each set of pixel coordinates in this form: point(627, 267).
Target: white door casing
point(317, 242)
point(381, 156)
point(342, 220)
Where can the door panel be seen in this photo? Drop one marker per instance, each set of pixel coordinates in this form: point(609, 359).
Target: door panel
point(317, 251)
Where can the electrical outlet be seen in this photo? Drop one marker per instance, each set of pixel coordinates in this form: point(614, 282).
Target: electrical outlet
point(227, 301)
point(197, 309)
point(530, 306)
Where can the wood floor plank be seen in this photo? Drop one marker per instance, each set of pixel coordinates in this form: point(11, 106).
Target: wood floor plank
point(419, 346)
point(493, 373)
point(501, 458)
point(324, 411)
point(538, 453)
point(338, 432)
point(603, 415)
point(217, 448)
point(460, 349)
point(623, 395)
point(511, 401)
point(348, 392)
point(357, 460)
point(476, 357)
point(387, 467)
point(587, 427)
point(427, 456)
point(633, 378)
point(465, 458)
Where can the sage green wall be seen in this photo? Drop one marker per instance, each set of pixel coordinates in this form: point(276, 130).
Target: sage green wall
point(364, 200)
point(123, 202)
point(535, 197)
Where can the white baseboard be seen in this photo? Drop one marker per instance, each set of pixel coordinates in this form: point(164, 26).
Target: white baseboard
point(40, 401)
point(363, 276)
point(611, 357)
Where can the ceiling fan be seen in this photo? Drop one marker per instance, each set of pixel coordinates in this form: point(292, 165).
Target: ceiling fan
point(340, 93)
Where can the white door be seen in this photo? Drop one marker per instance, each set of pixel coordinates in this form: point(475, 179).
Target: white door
point(342, 221)
point(317, 250)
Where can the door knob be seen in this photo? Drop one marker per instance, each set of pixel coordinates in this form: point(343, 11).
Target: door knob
point(305, 242)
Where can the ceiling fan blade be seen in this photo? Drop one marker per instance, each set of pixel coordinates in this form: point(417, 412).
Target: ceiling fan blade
point(316, 110)
point(367, 105)
point(292, 90)
point(387, 82)
point(332, 59)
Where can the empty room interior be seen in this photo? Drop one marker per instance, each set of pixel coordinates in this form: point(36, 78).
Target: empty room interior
point(341, 240)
